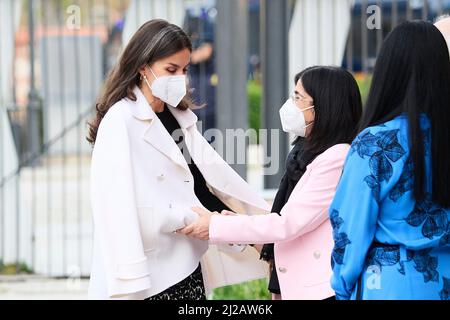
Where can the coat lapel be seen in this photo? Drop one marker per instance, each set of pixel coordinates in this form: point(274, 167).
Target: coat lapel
point(155, 133)
point(223, 181)
point(207, 160)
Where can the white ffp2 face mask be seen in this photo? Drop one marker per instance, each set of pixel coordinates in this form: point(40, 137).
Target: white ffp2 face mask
point(293, 119)
point(170, 89)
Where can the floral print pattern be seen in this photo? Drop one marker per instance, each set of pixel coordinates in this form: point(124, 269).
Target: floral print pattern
point(432, 218)
point(382, 148)
point(445, 292)
point(374, 207)
point(425, 264)
point(340, 239)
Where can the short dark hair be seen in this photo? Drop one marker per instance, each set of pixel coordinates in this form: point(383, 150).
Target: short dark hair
point(337, 106)
point(412, 76)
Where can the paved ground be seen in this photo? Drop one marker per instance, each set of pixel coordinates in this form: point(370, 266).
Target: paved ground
point(38, 288)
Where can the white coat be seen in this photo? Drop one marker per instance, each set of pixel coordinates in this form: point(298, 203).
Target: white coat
point(142, 191)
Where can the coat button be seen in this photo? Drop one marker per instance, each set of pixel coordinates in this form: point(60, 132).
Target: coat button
point(282, 269)
point(317, 254)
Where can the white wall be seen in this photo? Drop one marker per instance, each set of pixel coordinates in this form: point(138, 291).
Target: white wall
point(318, 34)
point(8, 154)
point(141, 11)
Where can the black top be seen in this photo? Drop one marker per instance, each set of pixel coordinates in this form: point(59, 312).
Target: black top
point(207, 199)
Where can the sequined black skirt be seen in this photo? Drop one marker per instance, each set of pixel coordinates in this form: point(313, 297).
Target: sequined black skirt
point(191, 288)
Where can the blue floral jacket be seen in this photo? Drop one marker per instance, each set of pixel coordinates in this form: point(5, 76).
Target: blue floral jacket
point(374, 203)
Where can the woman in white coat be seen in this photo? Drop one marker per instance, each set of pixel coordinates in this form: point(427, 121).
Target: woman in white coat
point(150, 166)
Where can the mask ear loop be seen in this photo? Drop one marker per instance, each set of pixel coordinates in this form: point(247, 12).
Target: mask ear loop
point(146, 81)
point(310, 107)
point(307, 108)
point(153, 73)
point(144, 77)
point(148, 84)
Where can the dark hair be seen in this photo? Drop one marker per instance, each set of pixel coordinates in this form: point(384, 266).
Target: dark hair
point(337, 106)
point(155, 40)
point(412, 76)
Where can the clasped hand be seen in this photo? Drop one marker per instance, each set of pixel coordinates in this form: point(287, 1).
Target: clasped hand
point(200, 228)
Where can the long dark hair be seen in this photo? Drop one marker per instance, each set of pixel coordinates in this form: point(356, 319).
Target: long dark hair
point(155, 40)
point(337, 106)
point(412, 76)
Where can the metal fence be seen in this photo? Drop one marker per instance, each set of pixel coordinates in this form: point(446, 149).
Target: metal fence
point(61, 52)
point(365, 37)
point(45, 222)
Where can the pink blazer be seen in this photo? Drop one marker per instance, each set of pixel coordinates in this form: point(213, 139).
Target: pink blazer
point(302, 234)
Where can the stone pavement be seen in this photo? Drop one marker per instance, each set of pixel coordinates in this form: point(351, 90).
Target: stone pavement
point(40, 288)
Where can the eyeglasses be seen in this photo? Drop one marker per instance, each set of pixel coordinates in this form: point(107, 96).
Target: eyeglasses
point(296, 99)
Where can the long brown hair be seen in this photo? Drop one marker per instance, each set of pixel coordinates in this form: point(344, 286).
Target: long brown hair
point(155, 40)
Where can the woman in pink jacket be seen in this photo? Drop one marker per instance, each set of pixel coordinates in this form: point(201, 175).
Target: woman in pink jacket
point(323, 114)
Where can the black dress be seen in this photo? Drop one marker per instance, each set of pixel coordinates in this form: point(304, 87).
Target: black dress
point(191, 288)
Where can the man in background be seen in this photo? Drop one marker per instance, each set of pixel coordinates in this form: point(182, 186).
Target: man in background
point(203, 79)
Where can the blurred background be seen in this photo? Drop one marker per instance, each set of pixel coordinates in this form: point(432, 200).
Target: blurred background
point(54, 57)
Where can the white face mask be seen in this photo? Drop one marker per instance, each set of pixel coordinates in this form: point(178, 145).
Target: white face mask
point(293, 119)
point(170, 89)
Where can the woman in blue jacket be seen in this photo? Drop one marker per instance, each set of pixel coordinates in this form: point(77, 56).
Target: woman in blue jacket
point(390, 214)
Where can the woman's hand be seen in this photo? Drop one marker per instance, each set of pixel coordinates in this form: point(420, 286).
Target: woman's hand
point(258, 247)
point(228, 213)
point(200, 228)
